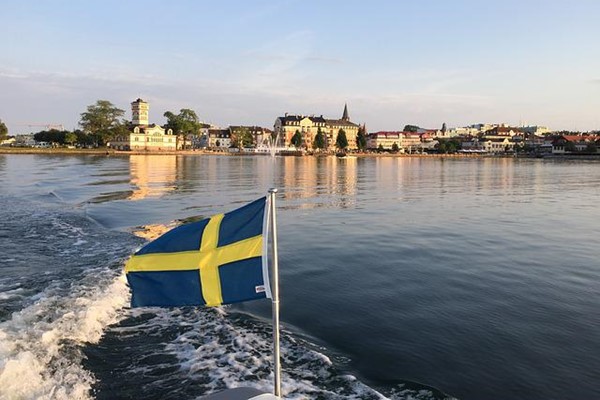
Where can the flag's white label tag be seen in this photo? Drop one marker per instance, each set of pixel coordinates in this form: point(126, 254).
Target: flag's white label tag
point(260, 289)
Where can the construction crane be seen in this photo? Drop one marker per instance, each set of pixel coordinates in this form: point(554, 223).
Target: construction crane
point(48, 126)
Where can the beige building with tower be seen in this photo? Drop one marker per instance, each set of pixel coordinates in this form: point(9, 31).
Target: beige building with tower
point(285, 128)
point(144, 136)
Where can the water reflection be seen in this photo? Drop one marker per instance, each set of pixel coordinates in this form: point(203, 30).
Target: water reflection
point(152, 176)
point(312, 182)
point(450, 176)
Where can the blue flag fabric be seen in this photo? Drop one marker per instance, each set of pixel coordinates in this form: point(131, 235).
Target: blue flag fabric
point(219, 260)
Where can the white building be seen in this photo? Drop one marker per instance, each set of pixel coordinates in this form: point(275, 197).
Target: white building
point(535, 130)
point(145, 136)
point(9, 141)
point(219, 138)
point(497, 145)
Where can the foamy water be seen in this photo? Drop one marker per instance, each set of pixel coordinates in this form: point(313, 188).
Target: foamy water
point(220, 348)
point(38, 345)
point(84, 301)
point(65, 292)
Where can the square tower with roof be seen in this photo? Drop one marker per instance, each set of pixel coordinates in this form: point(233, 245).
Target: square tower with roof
point(139, 112)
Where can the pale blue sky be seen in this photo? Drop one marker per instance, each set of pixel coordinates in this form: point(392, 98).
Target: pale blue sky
point(247, 62)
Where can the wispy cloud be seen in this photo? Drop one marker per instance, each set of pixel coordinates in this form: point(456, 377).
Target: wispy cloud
point(12, 74)
point(62, 77)
point(325, 60)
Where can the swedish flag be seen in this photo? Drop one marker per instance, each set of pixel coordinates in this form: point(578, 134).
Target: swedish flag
point(218, 260)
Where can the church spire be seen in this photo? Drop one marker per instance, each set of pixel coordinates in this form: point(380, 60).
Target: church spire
point(345, 116)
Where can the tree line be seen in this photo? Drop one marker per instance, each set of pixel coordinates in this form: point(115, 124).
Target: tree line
point(103, 122)
point(341, 140)
point(3, 130)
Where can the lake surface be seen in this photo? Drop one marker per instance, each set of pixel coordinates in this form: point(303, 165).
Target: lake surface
point(400, 278)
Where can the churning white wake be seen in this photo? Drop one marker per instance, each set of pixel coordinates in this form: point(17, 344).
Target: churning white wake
point(40, 355)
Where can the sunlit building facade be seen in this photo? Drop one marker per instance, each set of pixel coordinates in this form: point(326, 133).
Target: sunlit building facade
point(384, 140)
point(286, 127)
point(144, 136)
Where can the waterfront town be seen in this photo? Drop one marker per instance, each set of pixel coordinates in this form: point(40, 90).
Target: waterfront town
point(294, 134)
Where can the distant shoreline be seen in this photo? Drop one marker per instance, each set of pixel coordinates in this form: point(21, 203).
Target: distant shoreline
point(111, 152)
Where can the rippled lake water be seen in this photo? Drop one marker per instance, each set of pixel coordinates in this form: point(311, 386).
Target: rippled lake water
point(400, 278)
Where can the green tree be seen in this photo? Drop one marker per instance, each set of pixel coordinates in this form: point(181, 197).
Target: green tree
point(70, 138)
point(395, 147)
point(83, 139)
point(380, 148)
point(570, 147)
point(341, 142)
point(442, 148)
point(361, 138)
point(121, 129)
point(411, 128)
point(3, 130)
point(241, 136)
point(455, 145)
point(319, 142)
point(184, 123)
point(446, 146)
point(52, 136)
point(591, 148)
point(101, 121)
point(297, 139)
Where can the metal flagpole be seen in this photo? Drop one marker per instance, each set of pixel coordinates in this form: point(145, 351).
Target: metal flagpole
point(275, 299)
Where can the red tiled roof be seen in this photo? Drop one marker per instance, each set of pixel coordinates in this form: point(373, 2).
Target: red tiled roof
point(385, 134)
point(577, 138)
